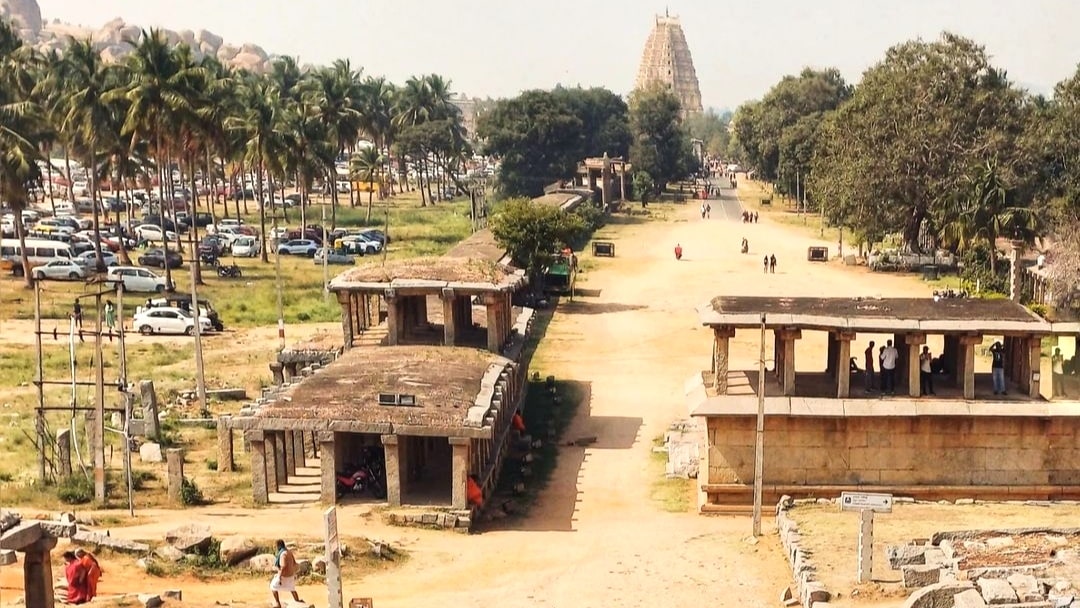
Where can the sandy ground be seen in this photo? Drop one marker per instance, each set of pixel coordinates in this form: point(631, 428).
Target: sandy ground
point(595, 539)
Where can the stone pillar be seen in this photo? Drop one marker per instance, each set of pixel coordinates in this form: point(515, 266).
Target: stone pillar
point(259, 489)
point(328, 466)
point(966, 369)
point(63, 452)
point(37, 573)
point(299, 454)
point(787, 346)
point(832, 354)
point(290, 454)
point(270, 455)
point(843, 369)
point(721, 357)
point(1034, 366)
point(1015, 270)
point(277, 370)
point(225, 445)
point(393, 318)
point(494, 344)
point(459, 472)
point(449, 317)
point(345, 300)
point(392, 450)
point(951, 356)
point(174, 458)
point(151, 424)
point(913, 347)
point(420, 306)
point(281, 474)
point(778, 358)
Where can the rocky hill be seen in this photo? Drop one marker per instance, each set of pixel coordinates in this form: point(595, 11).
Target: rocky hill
point(109, 38)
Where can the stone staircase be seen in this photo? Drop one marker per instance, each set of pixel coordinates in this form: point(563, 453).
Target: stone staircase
point(301, 488)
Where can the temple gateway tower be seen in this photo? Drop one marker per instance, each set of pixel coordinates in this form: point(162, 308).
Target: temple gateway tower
point(667, 60)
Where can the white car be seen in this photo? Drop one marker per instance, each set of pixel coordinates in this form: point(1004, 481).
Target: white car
point(244, 246)
point(168, 320)
point(298, 247)
point(361, 244)
point(151, 232)
point(88, 259)
point(225, 223)
point(137, 279)
point(278, 233)
point(60, 269)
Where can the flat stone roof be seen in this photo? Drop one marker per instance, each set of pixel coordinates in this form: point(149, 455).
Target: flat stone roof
point(430, 274)
point(480, 245)
point(820, 407)
point(948, 315)
point(344, 396)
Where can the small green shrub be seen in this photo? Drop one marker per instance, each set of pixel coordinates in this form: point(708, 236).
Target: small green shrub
point(190, 494)
point(75, 490)
point(140, 478)
point(6, 477)
point(1040, 309)
point(211, 464)
point(303, 316)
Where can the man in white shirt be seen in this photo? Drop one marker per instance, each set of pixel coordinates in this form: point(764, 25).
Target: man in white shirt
point(888, 368)
point(926, 376)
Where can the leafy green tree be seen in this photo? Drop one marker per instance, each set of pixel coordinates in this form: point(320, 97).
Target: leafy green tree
point(918, 126)
point(21, 130)
point(541, 136)
point(712, 129)
point(366, 166)
point(533, 234)
point(643, 186)
point(661, 146)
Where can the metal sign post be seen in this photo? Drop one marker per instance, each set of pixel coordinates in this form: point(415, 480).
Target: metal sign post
point(333, 559)
point(866, 504)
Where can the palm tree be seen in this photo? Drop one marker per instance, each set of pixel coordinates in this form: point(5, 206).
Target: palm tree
point(21, 126)
point(259, 124)
point(338, 93)
point(88, 118)
point(378, 103)
point(160, 101)
point(366, 165)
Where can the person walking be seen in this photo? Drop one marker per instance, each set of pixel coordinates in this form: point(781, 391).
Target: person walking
point(755, 217)
point(1057, 371)
point(702, 210)
point(889, 355)
point(772, 264)
point(868, 357)
point(926, 374)
point(77, 312)
point(708, 211)
point(997, 368)
point(285, 578)
point(110, 315)
point(766, 264)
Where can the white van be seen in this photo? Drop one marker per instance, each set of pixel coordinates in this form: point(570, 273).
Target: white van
point(39, 251)
point(246, 247)
point(137, 279)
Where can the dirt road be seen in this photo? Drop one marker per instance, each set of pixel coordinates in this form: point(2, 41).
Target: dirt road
point(595, 538)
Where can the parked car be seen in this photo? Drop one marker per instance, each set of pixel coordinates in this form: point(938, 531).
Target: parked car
point(159, 220)
point(157, 257)
point(151, 232)
point(294, 198)
point(137, 279)
point(245, 194)
point(183, 302)
point(230, 222)
point(60, 269)
point(88, 259)
point(168, 320)
point(246, 247)
point(201, 220)
point(298, 247)
point(214, 243)
point(333, 256)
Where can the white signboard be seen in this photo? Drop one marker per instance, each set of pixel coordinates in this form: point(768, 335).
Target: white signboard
point(330, 521)
point(865, 501)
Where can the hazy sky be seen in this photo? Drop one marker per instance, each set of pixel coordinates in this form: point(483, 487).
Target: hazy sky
point(500, 47)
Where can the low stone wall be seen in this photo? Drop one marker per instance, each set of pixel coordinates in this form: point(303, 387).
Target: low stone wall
point(1023, 456)
point(458, 521)
point(810, 592)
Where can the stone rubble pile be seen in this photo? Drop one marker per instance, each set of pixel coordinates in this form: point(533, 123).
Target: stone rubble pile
point(809, 591)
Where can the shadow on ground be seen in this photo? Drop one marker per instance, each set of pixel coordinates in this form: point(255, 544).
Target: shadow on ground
point(596, 308)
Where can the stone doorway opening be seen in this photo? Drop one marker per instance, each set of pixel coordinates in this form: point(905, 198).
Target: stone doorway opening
point(362, 459)
point(427, 476)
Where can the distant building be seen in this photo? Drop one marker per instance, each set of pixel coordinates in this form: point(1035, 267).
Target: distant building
point(667, 60)
point(470, 112)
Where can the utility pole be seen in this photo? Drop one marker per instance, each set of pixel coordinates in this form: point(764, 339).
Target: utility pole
point(122, 382)
point(39, 422)
point(200, 371)
point(759, 435)
point(277, 278)
point(99, 407)
point(325, 259)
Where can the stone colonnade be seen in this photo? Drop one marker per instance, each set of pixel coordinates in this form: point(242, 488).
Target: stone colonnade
point(1022, 358)
point(275, 455)
point(359, 312)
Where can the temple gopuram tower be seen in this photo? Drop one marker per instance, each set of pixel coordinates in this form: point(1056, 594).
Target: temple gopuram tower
point(667, 60)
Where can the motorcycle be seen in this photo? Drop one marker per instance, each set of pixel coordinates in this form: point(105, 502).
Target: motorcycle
point(363, 479)
point(229, 272)
point(209, 259)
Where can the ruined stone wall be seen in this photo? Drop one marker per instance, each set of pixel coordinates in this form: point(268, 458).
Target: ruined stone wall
point(899, 451)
